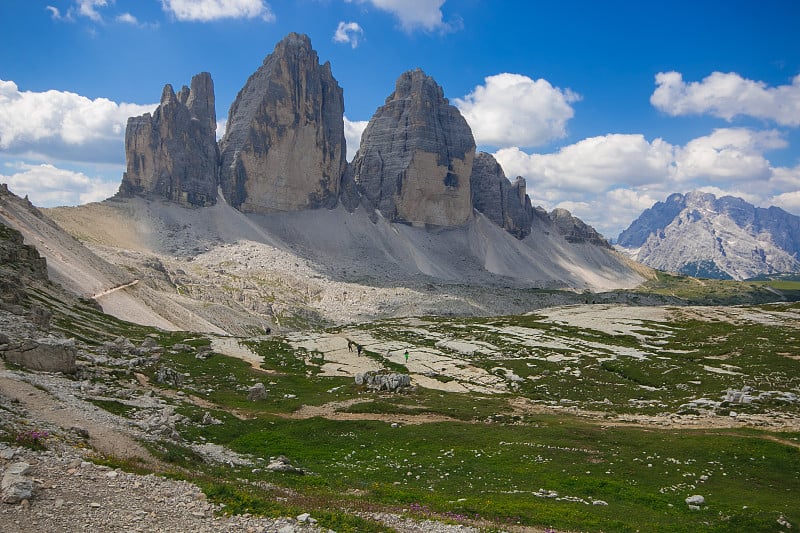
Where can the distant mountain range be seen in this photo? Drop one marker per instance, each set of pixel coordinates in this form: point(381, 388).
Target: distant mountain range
point(701, 235)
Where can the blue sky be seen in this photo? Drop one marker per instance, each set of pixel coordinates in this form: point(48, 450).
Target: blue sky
point(604, 107)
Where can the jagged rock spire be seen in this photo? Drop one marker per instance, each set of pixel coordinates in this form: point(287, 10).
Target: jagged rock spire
point(173, 154)
point(284, 146)
point(504, 203)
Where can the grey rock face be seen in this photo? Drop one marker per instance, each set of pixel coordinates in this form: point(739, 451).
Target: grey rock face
point(46, 355)
point(173, 154)
point(701, 235)
point(415, 158)
point(18, 264)
point(504, 203)
point(284, 147)
point(652, 219)
point(575, 230)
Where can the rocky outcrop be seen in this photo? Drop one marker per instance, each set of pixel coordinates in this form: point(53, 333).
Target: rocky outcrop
point(173, 153)
point(284, 147)
point(20, 265)
point(701, 235)
point(504, 203)
point(392, 382)
point(46, 355)
point(415, 158)
point(575, 230)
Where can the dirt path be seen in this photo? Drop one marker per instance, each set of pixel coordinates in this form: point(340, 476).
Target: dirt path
point(523, 406)
point(114, 289)
point(331, 411)
point(42, 406)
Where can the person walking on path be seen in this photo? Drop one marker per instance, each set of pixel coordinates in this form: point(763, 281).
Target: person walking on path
point(406, 354)
point(349, 345)
point(358, 348)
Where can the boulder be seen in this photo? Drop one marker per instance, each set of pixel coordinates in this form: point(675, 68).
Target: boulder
point(257, 392)
point(282, 464)
point(16, 486)
point(383, 382)
point(504, 203)
point(47, 354)
point(173, 153)
point(284, 147)
point(415, 158)
point(695, 500)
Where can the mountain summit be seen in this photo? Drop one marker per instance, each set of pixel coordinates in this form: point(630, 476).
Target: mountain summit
point(416, 154)
point(726, 238)
point(284, 147)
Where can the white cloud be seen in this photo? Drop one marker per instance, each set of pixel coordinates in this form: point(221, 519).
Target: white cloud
point(348, 32)
point(54, 12)
point(221, 125)
point(48, 186)
point(727, 95)
point(593, 164)
point(63, 125)
point(352, 135)
point(790, 201)
point(127, 18)
point(514, 110)
point(88, 9)
point(728, 154)
point(208, 10)
point(609, 180)
point(413, 14)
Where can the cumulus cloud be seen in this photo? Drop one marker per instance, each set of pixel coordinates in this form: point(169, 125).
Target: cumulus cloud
point(221, 125)
point(127, 18)
point(414, 14)
point(515, 110)
point(49, 186)
point(208, 10)
point(63, 125)
point(609, 180)
point(348, 32)
point(727, 95)
point(352, 135)
point(88, 9)
point(728, 154)
point(790, 201)
point(593, 164)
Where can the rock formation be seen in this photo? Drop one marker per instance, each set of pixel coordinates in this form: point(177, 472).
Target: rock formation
point(284, 147)
point(701, 235)
point(48, 354)
point(502, 202)
point(379, 381)
point(575, 230)
point(173, 153)
point(415, 158)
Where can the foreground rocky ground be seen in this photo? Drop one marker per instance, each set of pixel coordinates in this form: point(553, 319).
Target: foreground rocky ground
point(56, 441)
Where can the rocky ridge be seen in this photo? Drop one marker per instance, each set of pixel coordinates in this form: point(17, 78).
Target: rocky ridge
point(575, 230)
point(284, 150)
point(701, 235)
point(504, 203)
